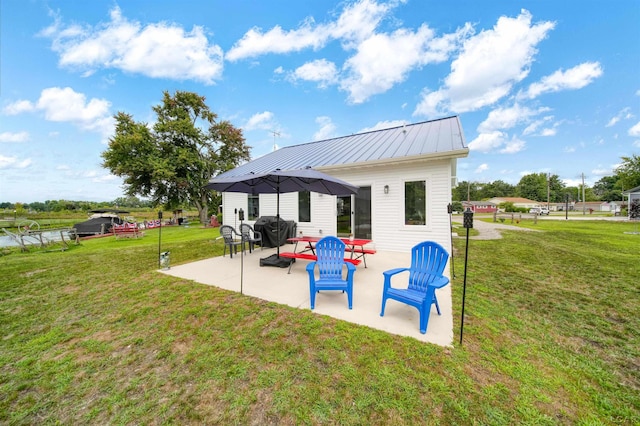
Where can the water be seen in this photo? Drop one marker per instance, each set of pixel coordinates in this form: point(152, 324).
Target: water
point(31, 240)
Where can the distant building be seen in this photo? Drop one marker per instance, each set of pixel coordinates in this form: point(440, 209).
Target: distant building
point(632, 195)
point(517, 202)
point(480, 206)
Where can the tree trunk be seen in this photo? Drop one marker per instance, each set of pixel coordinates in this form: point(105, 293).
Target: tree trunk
point(202, 207)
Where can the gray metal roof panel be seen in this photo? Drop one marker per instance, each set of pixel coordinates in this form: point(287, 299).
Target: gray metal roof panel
point(411, 140)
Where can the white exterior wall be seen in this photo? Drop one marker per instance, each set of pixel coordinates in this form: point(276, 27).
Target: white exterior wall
point(389, 233)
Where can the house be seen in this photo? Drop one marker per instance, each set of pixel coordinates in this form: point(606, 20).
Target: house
point(589, 206)
point(517, 202)
point(404, 174)
point(480, 206)
point(633, 195)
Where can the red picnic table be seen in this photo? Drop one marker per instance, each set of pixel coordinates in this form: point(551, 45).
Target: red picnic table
point(356, 246)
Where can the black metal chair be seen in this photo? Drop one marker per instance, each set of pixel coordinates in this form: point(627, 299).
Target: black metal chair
point(229, 235)
point(250, 235)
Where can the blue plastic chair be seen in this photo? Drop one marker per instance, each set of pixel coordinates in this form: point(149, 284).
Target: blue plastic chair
point(330, 263)
point(428, 260)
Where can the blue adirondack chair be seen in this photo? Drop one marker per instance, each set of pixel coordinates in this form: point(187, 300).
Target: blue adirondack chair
point(428, 260)
point(330, 263)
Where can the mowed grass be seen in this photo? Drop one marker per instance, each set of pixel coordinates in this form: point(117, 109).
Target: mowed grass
point(96, 335)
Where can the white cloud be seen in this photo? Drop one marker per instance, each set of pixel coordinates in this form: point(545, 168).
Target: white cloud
point(513, 146)
point(13, 163)
point(486, 142)
point(506, 118)
point(14, 137)
point(635, 130)
point(569, 149)
point(636, 143)
point(384, 60)
point(320, 71)
point(574, 78)
point(534, 127)
point(355, 23)
point(67, 105)
point(261, 121)
point(490, 63)
point(381, 60)
point(327, 129)
point(388, 124)
point(18, 107)
point(255, 42)
point(481, 168)
point(625, 113)
point(159, 50)
point(602, 171)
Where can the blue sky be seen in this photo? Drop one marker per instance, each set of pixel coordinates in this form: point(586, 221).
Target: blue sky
point(540, 86)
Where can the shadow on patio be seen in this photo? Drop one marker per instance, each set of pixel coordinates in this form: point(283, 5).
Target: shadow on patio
point(275, 285)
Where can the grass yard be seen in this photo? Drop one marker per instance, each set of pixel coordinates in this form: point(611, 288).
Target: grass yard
point(95, 335)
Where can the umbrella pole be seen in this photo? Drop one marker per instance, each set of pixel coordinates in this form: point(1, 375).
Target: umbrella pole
point(278, 220)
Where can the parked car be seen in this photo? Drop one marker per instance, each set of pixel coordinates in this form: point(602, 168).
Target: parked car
point(539, 210)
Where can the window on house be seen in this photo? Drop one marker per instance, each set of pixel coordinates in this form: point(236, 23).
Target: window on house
point(415, 202)
point(304, 206)
point(253, 204)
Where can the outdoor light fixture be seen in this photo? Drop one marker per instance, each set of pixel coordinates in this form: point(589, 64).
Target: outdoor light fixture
point(386, 189)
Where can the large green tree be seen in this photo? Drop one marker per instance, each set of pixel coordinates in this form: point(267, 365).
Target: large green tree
point(536, 186)
point(628, 172)
point(172, 162)
point(608, 189)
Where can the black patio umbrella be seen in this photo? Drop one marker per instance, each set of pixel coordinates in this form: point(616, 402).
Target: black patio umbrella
point(282, 181)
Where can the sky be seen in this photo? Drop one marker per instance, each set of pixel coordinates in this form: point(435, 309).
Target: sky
point(540, 86)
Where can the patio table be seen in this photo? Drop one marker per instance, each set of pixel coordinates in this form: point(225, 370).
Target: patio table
point(356, 246)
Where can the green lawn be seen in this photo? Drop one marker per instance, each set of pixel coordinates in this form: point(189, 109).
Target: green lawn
point(95, 335)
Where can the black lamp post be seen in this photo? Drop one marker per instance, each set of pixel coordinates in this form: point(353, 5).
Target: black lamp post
point(160, 240)
point(450, 211)
point(467, 222)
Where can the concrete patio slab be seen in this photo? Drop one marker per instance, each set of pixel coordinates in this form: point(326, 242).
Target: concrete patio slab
point(276, 285)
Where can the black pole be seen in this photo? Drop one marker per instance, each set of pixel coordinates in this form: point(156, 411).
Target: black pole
point(241, 215)
point(278, 220)
point(160, 238)
point(467, 223)
point(450, 211)
point(566, 207)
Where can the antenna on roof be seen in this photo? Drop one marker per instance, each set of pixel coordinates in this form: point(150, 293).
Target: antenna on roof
point(274, 138)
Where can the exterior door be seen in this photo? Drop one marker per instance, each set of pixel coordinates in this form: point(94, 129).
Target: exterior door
point(353, 214)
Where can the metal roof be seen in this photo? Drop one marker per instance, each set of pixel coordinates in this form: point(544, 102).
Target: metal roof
point(442, 137)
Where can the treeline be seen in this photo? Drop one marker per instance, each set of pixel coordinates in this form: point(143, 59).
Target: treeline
point(545, 187)
point(57, 206)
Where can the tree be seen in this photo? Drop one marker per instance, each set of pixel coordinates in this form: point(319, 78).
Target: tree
point(608, 189)
point(172, 162)
point(496, 188)
point(535, 186)
point(628, 172)
point(466, 191)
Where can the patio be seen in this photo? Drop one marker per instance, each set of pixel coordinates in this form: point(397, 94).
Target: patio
point(275, 285)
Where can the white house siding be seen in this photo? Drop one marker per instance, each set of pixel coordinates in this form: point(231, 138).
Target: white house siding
point(389, 233)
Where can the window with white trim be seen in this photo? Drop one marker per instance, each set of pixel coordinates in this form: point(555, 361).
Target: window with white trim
point(415, 202)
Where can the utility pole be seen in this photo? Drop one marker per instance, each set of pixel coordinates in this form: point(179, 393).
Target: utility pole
point(584, 201)
point(549, 191)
